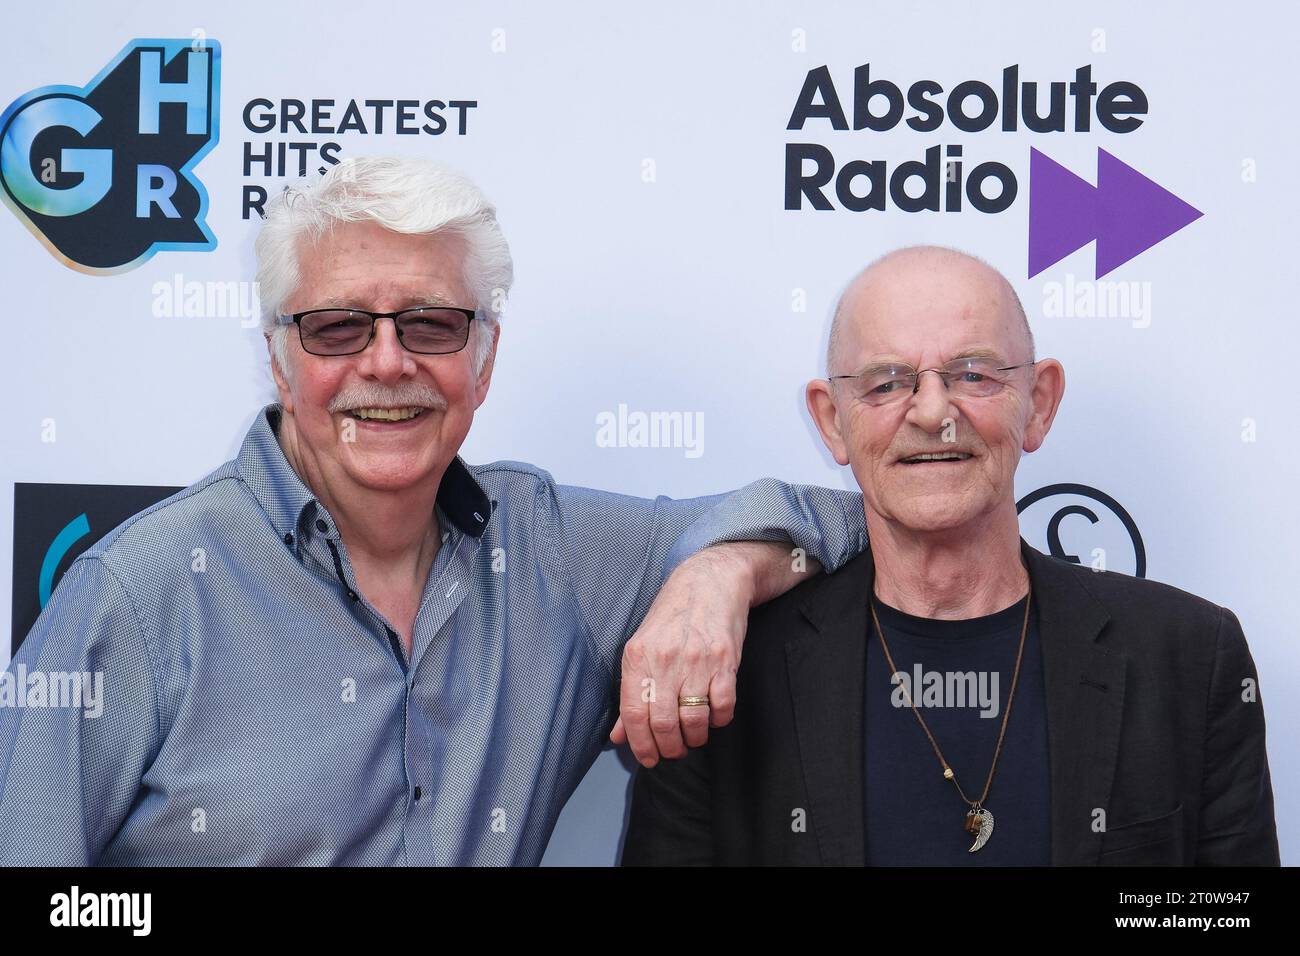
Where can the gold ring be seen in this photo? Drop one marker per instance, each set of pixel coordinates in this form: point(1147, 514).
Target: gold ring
point(693, 701)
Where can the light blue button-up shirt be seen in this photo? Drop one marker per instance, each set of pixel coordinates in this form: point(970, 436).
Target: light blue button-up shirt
point(257, 709)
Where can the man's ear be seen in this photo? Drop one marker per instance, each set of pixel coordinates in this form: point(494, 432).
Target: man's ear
point(821, 405)
point(485, 373)
point(281, 381)
point(1045, 399)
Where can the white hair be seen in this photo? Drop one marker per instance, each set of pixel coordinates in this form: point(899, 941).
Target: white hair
point(406, 195)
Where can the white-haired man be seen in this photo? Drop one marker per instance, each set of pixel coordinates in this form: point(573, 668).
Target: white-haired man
point(390, 657)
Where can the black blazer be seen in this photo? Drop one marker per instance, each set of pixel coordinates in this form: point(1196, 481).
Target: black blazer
point(1145, 712)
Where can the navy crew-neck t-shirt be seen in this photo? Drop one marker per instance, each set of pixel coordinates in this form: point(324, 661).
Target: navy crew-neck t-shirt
point(914, 817)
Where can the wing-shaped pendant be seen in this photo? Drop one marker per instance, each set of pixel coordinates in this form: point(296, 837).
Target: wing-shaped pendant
point(985, 827)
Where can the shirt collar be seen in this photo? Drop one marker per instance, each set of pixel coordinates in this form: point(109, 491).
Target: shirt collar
point(284, 497)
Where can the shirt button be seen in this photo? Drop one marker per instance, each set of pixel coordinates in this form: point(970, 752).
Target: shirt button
point(321, 525)
point(417, 793)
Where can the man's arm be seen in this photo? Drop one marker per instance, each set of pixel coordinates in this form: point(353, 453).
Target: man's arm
point(619, 550)
point(671, 821)
point(70, 774)
point(690, 644)
point(1237, 824)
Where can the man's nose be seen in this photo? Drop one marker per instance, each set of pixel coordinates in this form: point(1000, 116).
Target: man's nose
point(930, 406)
point(385, 358)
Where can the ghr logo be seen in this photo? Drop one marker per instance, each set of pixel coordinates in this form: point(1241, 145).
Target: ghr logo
point(102, 174)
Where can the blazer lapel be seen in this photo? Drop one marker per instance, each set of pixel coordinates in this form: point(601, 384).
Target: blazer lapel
point(826, 665)
point(1084, 688)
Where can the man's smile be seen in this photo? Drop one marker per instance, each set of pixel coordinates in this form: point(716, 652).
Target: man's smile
point(386, 414)
point(941, 459)
point(377, 419)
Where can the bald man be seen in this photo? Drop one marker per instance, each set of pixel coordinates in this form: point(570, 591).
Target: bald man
point(953, 696)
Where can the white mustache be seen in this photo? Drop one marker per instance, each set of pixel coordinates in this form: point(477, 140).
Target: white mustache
point(417, 397)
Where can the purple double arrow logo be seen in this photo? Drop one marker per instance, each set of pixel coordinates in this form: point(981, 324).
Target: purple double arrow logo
point(1125, 212)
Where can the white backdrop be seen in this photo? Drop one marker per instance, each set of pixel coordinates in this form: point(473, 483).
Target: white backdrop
point(637, 157)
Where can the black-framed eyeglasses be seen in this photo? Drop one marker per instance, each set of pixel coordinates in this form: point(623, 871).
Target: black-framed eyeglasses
point(428, 330)
point(975, 377)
